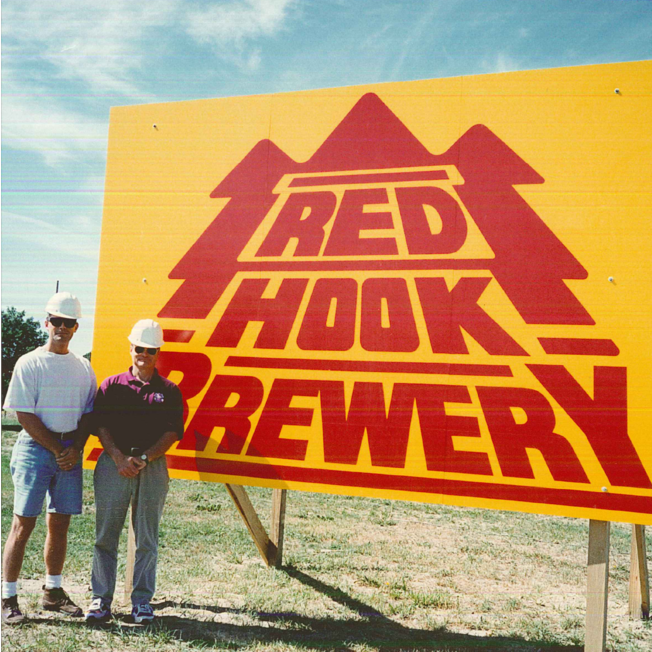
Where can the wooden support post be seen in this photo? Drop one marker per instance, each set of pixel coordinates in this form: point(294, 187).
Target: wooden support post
point(131, 561)
point(266, 548)
point(597, 587)
point(639, 586)
point(278, 525)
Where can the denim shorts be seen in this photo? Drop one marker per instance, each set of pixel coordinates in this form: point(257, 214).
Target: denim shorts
point(35, 473)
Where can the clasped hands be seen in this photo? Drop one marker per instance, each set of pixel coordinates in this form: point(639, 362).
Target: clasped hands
point(68, 458)
point(128, 466)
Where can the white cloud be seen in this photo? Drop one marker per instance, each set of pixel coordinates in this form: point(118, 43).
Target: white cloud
point(229, 23)
point(107, 46)
point(500, 63)
point(37, 253)
point(56, 133)
point(98, 43)
point(411, 39)
point(228, 26)
point(79, 237)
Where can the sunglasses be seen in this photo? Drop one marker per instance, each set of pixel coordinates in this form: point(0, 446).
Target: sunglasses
point(58, 321)
point(141, 349)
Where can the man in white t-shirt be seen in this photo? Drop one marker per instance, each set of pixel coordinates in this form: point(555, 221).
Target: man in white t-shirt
point(52, 391)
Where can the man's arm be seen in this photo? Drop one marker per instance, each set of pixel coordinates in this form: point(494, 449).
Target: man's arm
point(127, 466)
point(175, 428)
point(162, 446)
point(36, 429)
point(73, 453)
point(83, 431)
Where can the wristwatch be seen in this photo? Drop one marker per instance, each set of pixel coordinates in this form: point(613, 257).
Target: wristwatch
point(144, 458)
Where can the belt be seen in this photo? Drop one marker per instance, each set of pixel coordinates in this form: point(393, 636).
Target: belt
point(62, 436)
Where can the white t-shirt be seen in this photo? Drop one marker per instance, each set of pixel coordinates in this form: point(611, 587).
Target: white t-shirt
point(57, 388)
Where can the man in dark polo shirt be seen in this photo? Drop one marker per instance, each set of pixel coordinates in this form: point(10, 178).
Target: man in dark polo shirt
point(138, 416)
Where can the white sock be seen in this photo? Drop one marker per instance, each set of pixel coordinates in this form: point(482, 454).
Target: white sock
point(9, 589)
point(53, 581)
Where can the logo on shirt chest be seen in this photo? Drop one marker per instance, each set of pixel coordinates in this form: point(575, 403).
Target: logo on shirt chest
point(158, 397)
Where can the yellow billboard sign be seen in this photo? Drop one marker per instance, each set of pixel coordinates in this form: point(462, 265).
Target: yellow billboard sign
point(435, 290)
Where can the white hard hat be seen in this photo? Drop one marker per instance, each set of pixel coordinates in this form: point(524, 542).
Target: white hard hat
point(64, 304)
point(148, 333)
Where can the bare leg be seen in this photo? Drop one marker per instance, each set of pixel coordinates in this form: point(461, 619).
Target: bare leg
point(56, 542)
point(12, 560)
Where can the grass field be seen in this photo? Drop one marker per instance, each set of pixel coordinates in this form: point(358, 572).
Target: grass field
point(359, 574)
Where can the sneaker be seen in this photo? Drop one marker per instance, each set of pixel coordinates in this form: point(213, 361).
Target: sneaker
point(142, 613)
point(99, 611)
point(58, 600)
point(11, 613)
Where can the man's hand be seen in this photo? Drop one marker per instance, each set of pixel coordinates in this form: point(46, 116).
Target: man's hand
point(128, 467)
point(141, 464)
point(67, 458)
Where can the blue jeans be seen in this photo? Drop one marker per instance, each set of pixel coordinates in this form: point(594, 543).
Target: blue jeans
point(35, 473)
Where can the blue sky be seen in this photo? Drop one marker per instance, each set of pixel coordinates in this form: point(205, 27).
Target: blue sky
point(65, 63)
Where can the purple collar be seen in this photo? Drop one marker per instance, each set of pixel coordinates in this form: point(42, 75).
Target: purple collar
point(132, 380)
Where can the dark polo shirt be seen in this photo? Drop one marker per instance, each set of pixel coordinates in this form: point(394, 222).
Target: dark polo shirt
point(137, 414)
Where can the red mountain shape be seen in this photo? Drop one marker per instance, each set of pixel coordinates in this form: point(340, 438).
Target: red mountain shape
point(370, 136)
point(530, 262)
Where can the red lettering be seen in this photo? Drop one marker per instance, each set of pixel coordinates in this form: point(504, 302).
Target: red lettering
point(401, 334)
point(291, 223)
point(247, 305)
point(420, 239)
point(213, 413)
point(448, 311)
point(266, 440)
point(387, 434)
point(315, 333)
point(196, 370)
point(511, 439)
point(439, 428)
point(351, 219)
point(603, 418)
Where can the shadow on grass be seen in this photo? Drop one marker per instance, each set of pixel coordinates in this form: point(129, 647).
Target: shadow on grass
point(299, 632)
point(368, 627)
